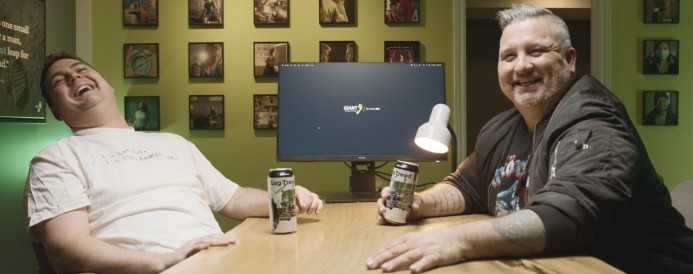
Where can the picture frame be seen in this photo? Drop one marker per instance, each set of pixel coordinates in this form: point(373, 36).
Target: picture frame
point(206, 111)
point(337, 51)
point(140, 13)
point(402, 11)
point(206, 60)
point(265, 107)
point(140, 60)
point(206, 13)
point(337, 12)
point(661, 11)
point(660, 107)
point(267, 56)
point(271, 12)
point(402, 52)
point(142, 112)
point(22, 57)
point(661, 57)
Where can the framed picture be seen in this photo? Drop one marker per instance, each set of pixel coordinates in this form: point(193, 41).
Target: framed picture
point(206, 60)
point(660, 107)
point(337, 12)
point(206, 13)
point(268, 56)
point(661, 57)
point(337, 51)
point(142, 112)
point(661, 11)
point(141, 13)
point(22, 55)
point(402, 11)
point(141, 60)
point(402, 52)
point(206, 111)
point(271, 12)
point(265, 108)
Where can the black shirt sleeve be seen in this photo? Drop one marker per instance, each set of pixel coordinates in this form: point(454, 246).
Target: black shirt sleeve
point(591, 170)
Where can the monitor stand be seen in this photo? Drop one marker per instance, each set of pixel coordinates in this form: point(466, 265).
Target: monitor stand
point(361, 185)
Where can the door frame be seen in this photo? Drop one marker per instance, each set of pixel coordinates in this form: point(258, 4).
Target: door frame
point(600, 63)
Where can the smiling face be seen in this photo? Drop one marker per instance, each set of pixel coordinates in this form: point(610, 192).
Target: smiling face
point(533, 67)
point(79, 94)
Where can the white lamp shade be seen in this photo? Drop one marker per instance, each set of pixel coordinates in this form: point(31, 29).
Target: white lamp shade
point(434, 136)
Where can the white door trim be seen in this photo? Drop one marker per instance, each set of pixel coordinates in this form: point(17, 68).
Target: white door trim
point(84, 30)
point(600, 19)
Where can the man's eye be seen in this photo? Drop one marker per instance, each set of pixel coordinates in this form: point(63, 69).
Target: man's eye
point(508, 58)
point(81, 69)
point(58, 82)
point(535, 53)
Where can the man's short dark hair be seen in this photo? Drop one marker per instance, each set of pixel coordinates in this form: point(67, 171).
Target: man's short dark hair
point(661, 94)
point(45, 85)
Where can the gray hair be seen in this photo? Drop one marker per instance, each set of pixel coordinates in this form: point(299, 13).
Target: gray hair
point(522, 12)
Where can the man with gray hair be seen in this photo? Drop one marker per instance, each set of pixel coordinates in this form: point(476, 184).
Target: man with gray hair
point(562, 172)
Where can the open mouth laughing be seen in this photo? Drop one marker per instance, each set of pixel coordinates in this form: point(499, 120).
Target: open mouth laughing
point(83, 89)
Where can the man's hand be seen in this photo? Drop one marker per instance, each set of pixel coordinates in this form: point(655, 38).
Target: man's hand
point(419, 251)
point(196, 245)
point(307, 202)
point(414, 211)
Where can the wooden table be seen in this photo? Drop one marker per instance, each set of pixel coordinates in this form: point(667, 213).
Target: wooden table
point(340, 239)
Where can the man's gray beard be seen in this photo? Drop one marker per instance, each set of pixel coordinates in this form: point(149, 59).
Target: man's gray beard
point(528, 100)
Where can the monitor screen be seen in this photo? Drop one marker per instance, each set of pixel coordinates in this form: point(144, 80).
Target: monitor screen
point(356, 111)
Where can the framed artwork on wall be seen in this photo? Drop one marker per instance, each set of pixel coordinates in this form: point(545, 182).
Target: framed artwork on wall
point(22, 56)
point(141, 60)
point(206, 60)
point(337, 12)
point(142, 112)
point(206, 111)
point(206, 13)
point(337, 51)
point(660, 107)
point(661, 57)
point(144, 13)
point(267, 56)
point(271, 12)
point(402, 52)
point(265, 108)
point(402, 11)
point(661, 11)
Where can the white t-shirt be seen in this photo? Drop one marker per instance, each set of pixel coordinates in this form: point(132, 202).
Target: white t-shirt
point(142, 191)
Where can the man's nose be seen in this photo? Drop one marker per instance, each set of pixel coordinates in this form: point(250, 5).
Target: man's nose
point(74, 76)
point(523, 65)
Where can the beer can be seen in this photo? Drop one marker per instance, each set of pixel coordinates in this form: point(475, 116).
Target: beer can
point(402, 183)
point(281, 189)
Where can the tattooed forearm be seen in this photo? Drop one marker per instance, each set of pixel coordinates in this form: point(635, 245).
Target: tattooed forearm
point(523, 229)
point(444, 200)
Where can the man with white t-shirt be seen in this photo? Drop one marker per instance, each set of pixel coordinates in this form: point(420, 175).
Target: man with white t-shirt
point(113, 200)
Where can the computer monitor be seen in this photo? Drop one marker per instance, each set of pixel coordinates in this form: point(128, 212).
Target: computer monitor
point(358, 112)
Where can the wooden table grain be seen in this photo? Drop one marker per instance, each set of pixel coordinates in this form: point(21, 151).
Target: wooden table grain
point(340, 239)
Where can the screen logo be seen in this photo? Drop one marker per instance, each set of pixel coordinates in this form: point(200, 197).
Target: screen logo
point(358, 109)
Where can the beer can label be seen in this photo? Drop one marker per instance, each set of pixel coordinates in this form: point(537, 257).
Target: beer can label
point(282, 211)
point(398, 203)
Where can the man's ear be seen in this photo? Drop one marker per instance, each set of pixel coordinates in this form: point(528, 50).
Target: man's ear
point(571, 58)
point(56, 113)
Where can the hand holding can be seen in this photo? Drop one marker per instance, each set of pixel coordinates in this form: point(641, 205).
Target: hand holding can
point(402, 184)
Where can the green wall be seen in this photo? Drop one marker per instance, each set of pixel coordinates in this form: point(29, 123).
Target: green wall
point(21, 142)
point(240, 152)
point(669, 147)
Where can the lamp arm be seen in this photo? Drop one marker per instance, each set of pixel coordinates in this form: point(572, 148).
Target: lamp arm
point(453, 149)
